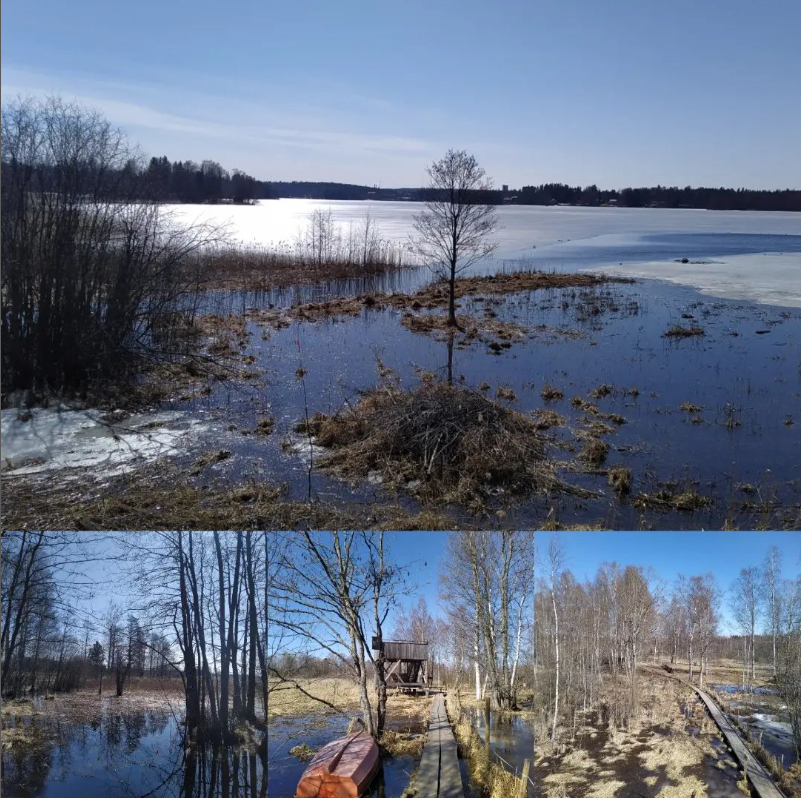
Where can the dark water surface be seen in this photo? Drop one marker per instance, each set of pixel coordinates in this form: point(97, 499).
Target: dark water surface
point(740, 450)
point(511, 738)
point(125, 756)
point(284, 770)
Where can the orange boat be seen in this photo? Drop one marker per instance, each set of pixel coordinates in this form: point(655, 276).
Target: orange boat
point(341, 769)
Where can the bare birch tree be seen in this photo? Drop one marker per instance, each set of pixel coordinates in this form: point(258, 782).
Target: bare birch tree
point(452, 232)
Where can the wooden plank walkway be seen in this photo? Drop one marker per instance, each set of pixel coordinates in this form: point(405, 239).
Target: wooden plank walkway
point(759, 778)
point(439, 775)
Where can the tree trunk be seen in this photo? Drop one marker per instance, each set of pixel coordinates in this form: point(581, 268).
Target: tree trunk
point(192, 693)
point(223, 717)
point(452, 295)
point(556, 652)
point(254, 631)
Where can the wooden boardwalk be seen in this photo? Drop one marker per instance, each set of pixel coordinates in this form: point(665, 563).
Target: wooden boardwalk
point(438, 775)
point(759, 778)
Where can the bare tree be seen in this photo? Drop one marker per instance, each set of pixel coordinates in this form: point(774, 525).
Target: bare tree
point(745, 596)
point(772, 569)
point(96, 280)
point(554, 566)
point(326, 592)
point(452, 231)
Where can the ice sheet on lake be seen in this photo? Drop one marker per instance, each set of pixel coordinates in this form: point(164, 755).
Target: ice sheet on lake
point(56, 439)
point(770, 278)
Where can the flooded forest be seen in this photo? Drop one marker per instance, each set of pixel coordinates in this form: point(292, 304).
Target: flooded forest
point(640, 681)
point(618, 679)
point(134, 664)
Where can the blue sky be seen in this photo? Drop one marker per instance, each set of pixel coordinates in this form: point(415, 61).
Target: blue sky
point(617, 93)
point(673, 553)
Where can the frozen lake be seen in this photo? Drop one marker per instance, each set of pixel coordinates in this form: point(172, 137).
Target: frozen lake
point(747, 255)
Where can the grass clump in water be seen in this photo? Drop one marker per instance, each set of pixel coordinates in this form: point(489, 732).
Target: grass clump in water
point(671, 498)
point(619, 479)
point(396, 744)
point(551, 394)
point(303, 752)
point(460, 445)
point(677, 331)
point(594, 452)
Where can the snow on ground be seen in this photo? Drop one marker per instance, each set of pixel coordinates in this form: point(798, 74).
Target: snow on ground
point(53, 439)
point(770, 278)
point(776, 726)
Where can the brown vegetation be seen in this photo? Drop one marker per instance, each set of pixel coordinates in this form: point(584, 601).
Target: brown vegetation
point(677, 331)
point(500, 334)
point(487, 777)
point(671, 497)
point(168, 501)
point(450, 443)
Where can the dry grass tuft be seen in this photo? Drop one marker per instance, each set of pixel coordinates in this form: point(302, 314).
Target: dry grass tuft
point(209, 458)
point(506, 393)
point(265, 426)
point(396, 744)
point(547, 418)
point(302, 752)
point(677, 331)
point(619, 479)
point(601, 391)
point(671, 498)
point(551, 394)
point(453, 443)
point(498, 334)
point(594, 451)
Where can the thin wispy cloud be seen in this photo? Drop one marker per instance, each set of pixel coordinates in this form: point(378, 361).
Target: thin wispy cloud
point(246, 123)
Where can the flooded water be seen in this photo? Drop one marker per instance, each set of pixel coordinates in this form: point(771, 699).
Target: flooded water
point(737, 688)
point(511, 739)
point(718, 414)
point(569, 239)
point(123, 756)
point(284, 770)
point(766, 720)
point(511, 736)
point(739, 449)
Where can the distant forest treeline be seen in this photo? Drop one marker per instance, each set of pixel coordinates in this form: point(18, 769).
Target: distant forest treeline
point(187, 181)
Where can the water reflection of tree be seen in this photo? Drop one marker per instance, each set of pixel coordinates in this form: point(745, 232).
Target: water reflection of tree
point(220, 772)
point(121, 742)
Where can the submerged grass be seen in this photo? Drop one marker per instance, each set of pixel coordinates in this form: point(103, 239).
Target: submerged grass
point(497, 334)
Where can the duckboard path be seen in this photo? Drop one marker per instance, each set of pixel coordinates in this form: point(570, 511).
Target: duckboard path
point(759, 778)
point(439, 775)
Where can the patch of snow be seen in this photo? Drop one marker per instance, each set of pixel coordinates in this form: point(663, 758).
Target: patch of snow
point(770, 723)
point(770, 278)
point(304, 449)
point(43, 440)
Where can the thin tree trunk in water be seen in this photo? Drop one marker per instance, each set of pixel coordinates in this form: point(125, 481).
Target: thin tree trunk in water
point(233, 626)
point(200, 634)
point(192, 697)
point(223, 641)
point(254, 631)
point(452, 296)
